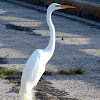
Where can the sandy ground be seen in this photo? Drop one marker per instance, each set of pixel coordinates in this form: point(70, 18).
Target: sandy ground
point(24, 29)
point(92, 1)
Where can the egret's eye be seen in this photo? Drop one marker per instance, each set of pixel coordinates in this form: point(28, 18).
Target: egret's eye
point(57, 5)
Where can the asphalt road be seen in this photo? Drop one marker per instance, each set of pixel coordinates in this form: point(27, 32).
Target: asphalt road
point(23, 29)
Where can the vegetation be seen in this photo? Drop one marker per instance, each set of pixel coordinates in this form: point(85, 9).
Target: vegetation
point(47, 73)
point(5, 71)
point(49, 96)
point(1, 75)
point(13, 81)
point(74, 71)
point(10, 75)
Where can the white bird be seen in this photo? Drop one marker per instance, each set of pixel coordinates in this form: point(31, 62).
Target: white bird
point(35, 66)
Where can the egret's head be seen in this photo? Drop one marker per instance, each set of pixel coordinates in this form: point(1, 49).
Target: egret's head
point(55, 6)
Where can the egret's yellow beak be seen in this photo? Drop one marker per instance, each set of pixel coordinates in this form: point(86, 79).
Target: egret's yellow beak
point(67, 6)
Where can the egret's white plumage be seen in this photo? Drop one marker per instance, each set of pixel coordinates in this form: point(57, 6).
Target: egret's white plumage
point(35, 66)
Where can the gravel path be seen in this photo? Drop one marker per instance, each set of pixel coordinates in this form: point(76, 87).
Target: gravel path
point(93, 1)
point(24, 29)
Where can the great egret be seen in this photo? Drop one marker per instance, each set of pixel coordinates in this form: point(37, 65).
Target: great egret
point(35, 66)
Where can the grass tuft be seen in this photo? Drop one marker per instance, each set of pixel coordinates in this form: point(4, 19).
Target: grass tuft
point(9, 74)
point(1, 75)
point(79, 70)
point(47, 73)
point(62, 71)
point(13, 81)
point(5, 71)
point(51, 97)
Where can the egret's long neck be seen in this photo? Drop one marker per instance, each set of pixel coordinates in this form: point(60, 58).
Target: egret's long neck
point(51, 46)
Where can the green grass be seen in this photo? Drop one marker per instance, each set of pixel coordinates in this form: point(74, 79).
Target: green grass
point(45, 93)
point(47, 73)
point(62, 71)
point(51, 97)
point(74, 71)
point(79, 70)
point(13, 81)
point(1, 75)
point(5, 71)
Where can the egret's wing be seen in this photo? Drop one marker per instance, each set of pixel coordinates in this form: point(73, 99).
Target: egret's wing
point(34, 69)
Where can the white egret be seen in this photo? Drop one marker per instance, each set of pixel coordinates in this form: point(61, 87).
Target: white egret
point(35, 66)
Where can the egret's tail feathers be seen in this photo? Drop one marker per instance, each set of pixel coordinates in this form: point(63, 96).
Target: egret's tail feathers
point(28, 96)
point(33, 94)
